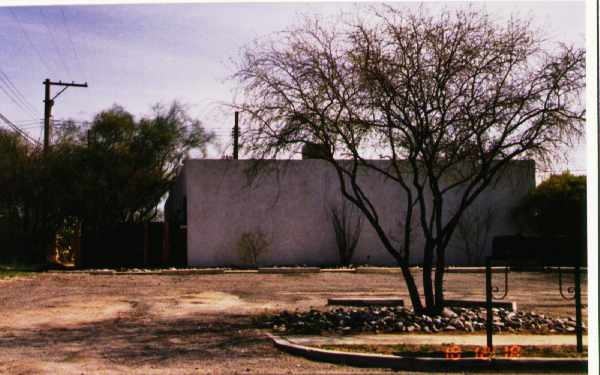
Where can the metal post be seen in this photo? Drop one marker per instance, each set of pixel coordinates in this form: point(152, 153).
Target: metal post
point(488, 302)
point(236, 135)
point(578, 326)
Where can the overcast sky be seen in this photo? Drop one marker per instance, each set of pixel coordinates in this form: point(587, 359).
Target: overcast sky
point(138, 55)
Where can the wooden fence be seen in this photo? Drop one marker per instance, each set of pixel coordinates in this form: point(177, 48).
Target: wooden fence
point(155, 244)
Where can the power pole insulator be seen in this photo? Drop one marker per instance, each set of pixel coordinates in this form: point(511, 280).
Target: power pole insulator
point(49, 102)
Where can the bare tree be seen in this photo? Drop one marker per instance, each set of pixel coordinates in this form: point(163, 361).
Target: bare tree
point(252, 245)
point(347, 226)
point(448, 100)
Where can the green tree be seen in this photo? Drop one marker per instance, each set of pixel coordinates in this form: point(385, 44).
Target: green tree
point(117, 171)
point(15, 168)
point(29, 205)
point(130, 165)
point(448, 100)
point(557, 207)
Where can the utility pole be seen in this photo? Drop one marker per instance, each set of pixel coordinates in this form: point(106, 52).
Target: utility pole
point(236, 135)
point(49, 102)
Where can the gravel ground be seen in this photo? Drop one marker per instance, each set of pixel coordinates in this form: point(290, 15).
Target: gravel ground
point(200, 324)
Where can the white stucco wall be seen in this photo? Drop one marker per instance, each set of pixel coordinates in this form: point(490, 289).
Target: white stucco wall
point(293, 209)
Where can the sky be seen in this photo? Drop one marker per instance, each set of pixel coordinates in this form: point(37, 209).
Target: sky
point(139, 55)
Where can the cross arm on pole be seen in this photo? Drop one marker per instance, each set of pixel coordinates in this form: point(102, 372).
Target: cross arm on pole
point(68, 84)
point(49, 102)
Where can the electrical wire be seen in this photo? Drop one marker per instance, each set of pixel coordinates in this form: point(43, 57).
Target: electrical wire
point(56, 48)
point(79, 60)
point(15, 100)
point(18, 130)
point(33, 126)
point(25, 122)
point(68, 32)
point(26, 35)
point(8, 82)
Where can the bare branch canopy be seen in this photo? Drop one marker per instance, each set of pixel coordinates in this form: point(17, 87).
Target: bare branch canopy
point(448, 99)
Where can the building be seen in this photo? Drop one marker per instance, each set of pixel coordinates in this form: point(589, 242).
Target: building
point(291, 207)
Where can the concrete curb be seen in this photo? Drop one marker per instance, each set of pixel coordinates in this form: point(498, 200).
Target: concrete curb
point(202, 271)
point(511, 306)
point(278, 270)
point(383, 270)
point(287, 270)
point(365, 301)
point(102, 272)
point(338, 270)
point(472, 270)
point(207, 271)
point(430, 364)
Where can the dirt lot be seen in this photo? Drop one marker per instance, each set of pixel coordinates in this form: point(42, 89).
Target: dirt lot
point(78, 323)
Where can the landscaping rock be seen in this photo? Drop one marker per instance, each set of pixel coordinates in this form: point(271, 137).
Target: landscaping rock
point(468, 326)
point(399, 319)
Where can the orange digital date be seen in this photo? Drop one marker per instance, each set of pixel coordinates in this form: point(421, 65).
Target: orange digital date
point(454, 352)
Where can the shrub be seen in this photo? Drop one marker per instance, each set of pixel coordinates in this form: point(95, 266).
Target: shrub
point(347, 226)
point(251, 246)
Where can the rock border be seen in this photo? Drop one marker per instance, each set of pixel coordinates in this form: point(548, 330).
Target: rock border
point(428, 363)
point(395, 301)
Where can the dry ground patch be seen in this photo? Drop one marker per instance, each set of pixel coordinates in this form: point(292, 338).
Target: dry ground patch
point(77, 323)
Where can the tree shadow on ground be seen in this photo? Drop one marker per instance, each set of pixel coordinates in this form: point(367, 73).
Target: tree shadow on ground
point(142, 341)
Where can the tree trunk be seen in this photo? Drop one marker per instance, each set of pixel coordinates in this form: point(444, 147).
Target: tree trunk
point(433, 282)
point(439, 282)
point(427, 273)
point(413, 292)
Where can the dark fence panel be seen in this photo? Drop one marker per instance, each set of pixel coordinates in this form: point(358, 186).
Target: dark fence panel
point(178, 244)
point(133, 245)
point(542, 251)
point(154, 237)
point(120, 245)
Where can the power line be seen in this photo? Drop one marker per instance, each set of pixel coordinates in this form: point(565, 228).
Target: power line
point(68, 32)
point(23, 122)
point(18, 130)
point(26, 35)
point(83, 122)
point(56, 48)
point(16, 91)
point(39, 124)
point(15, 100)
point(80, 61)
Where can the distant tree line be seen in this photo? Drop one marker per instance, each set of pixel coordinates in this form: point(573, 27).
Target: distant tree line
point(115, 171)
